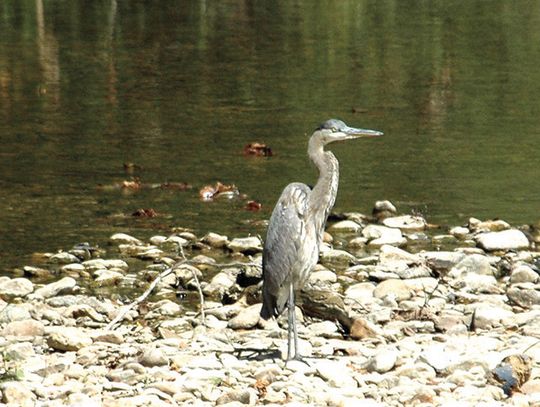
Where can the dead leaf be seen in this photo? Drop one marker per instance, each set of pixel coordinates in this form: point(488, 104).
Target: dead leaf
point(258, 150)
point(145, 213)
point(253, 206)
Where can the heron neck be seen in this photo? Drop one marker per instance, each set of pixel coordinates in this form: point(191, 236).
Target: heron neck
point(324, 193)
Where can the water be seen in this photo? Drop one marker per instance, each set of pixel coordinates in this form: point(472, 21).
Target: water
point(179, 88)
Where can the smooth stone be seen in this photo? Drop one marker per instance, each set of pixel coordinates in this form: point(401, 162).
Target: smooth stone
point(391, 254)
point(487, 316)
point(525, 298)
point(523, 274)
point(106, 277)
point(345, 226)
point(479, 283)
point(62, 286)
point(383, 361)
point(360, 291)
point(17, 394)
point(442, 260)
point(18, 351)
point(14, 312)
point(336, 258)
point(488, 226)
point(511, 239)
point(241, 396)
point(63, 258)
point(186, 272)
point(123, 238)
point(397, 289)
point(380, 235)
point(247, 318)
point(531, 386)
point(16, 287)
point(439, 356)
point(474, 263)
point(326, 329)
point(96, 264)
point(153, 357)
point(24, 328)
point(337, 374)
point(215, 240)
point(407, 223)
point(459, 232)
point(322, 276)
point(357, 242)
point(385, 206)
point(246, 245)
point(219, 284)
point(68, 338)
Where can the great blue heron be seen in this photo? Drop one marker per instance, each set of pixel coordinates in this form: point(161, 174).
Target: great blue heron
point(296, 227)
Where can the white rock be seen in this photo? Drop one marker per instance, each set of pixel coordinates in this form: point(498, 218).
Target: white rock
point(247, 318)
point(64, 285)
point(397, 289)
point(325, 329)
point(68, 338)
point(408, 223)
point(16, 287)
point(122, 238)
point(17, 394)
point(474, 263)
point(442, 260)
point(345, 226)
point(153, 357)
point(246, 245)
point(106, 277)
point(383, 361)
point(489, 316)
point(323, 276)
point(63, 258)
point(391, 254)
point(337, 258)
point(215, 240)
point(523, 274)
point(337, 374)
point(511, 239)
point(14, 312)
point(380, 235)
point(219, 284)
point(360, 291)
point(460, 232)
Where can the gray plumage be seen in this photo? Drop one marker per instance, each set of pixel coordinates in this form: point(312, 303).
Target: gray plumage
point(296, 227)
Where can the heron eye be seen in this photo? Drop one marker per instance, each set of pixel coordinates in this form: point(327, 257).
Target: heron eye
point(334, 129)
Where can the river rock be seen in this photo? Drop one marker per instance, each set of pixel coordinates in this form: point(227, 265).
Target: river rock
point(336, 258)
point(383, 361)
point(378, 236)
point(63, 258)
point(489, 316)
point(16, 287)
point(245, 245)
point(17, 394)
point(106, 277)
point(68, 338)
point(511, 239)
point(345, 226)
point(122, 238)
point(383, 209)
point(219, 285)
point(361, 328)
point(27, 327)
point(407, 223)
point(62, 286)
point(459, 232)
point(488, 226)
point(474, 263)
point(442, 260)
point(215, 240)
point(360, 291)
point(392, 254)
point(322, 276)
point(247, 318)
point(523, 274)
point(397, 289)
point(14, 312)
point(526, 297)
point(153, 357)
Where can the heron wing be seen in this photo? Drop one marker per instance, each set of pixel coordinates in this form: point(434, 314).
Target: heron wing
point(286, 232)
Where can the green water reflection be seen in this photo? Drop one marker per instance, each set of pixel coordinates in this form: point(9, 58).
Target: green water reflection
point(180, 87)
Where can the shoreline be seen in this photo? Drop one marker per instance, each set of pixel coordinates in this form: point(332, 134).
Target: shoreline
point(395, 314)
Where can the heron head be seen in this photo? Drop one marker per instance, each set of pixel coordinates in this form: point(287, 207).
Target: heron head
point(336, 130)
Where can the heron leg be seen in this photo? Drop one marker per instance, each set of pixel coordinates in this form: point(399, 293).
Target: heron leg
point(291, 327)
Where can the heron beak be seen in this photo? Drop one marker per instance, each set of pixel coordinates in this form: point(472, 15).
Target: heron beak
point(352, 132)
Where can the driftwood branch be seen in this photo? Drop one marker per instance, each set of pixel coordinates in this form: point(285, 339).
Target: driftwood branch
point(128, 307)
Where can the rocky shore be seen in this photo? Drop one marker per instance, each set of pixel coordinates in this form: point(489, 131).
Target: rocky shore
point(397, 313)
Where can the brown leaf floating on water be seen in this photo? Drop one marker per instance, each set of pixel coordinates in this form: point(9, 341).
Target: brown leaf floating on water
point(145, 213)
point(134, 184)
point(253, 206)
point(209, 192)
point(258, 150)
